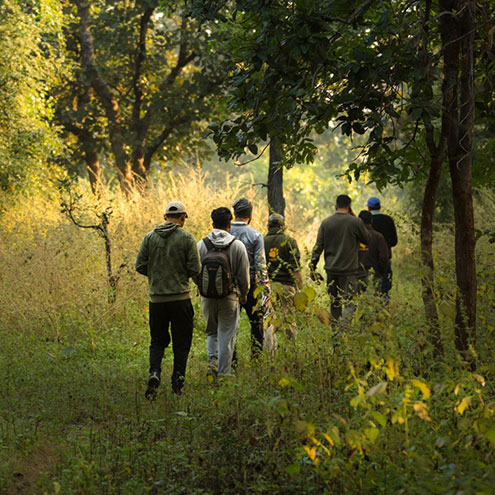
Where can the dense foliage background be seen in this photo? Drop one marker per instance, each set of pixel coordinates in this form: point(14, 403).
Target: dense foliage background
point(108, 110)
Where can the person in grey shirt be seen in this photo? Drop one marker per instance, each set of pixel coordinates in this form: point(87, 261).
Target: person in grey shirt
point(253, 240)
point(222, 313)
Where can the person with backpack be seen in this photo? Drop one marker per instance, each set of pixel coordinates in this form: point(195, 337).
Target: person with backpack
point(253, 240)
point(169, 257)
point(223, 284)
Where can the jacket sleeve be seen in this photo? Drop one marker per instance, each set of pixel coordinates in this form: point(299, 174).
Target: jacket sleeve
point(393, 233)
point(362, 232)
point(383, 259)
point(317, 249)
point(142, 258)
point(260, 259)
point(192, 262)
point(241, 271)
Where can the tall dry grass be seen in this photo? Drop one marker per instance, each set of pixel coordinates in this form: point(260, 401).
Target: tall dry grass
point(54, 281)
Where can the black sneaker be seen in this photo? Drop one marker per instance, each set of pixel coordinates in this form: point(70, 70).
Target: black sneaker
point(153, 384)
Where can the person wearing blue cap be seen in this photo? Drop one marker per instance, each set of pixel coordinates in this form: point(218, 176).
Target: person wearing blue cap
point(385, 225)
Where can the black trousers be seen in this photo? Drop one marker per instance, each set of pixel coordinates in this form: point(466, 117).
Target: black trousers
point(175, 317)
point(256, 321)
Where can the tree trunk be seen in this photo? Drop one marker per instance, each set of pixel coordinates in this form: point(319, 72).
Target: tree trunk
point(94, 170)
point(108, 101)
point(276, 201)
point(458, 44)
point(426, 235)
point(461, 174)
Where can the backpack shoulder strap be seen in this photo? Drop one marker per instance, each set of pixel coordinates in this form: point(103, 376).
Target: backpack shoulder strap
point(209, 245)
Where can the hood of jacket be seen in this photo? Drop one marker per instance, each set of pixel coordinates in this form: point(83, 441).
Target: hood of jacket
point(166, 229)
point(220, 238)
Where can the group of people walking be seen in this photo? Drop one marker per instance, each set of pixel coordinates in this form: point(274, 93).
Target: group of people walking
point(233, 267)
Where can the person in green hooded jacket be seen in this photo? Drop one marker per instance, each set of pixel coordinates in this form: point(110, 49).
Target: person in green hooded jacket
point(169, 257)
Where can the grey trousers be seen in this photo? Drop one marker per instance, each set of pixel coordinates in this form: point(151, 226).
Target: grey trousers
point(222, 325)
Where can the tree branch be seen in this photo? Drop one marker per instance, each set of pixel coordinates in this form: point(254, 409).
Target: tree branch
point(138, 63)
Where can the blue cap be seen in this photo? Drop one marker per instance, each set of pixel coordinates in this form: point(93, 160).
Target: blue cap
point(373, 202)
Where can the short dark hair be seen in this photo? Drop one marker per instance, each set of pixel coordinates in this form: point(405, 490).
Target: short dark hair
point(221, 217)
point(376, 207)
point(243, 208)
point(343, 201)
point(174, 215)
point(366, 217)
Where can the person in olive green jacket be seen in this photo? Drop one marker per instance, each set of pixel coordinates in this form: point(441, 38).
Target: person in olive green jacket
point(283, 263)
point(338, 237)
point(169, 258)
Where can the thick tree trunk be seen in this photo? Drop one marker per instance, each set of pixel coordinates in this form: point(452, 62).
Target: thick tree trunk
point(276, 201)
point(461, 174)
point(426, 235)
point(457, 42)
point(108, 101)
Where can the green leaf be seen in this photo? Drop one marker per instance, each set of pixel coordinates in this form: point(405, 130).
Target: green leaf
point(377, 389)
point(379, 418)
point(253, 149)
point(301, 301)
point(292, 469)
point(310, 292)
point(490, 434)
point(372, 434)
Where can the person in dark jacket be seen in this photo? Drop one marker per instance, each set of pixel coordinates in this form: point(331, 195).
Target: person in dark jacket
point(386, 226)
point(283, 263)
point(338, 237)
point(253, 240)
point(169, 257)
point(374, 256)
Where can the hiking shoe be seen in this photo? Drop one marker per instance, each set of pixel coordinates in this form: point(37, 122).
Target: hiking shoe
point(212, 371)
point(153, 384)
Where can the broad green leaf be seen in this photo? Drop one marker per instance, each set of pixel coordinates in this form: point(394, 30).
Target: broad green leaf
point(310, 292)
point(301, 301)
point(372, 434)
point(253, 149)
point(490, 434)
point(377, 389)
point(379, 418)
point(355, 401)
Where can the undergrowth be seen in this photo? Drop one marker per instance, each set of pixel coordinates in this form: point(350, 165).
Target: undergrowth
point(368, 409)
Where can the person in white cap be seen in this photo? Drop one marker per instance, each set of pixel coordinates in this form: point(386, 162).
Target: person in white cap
point(169, 258)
